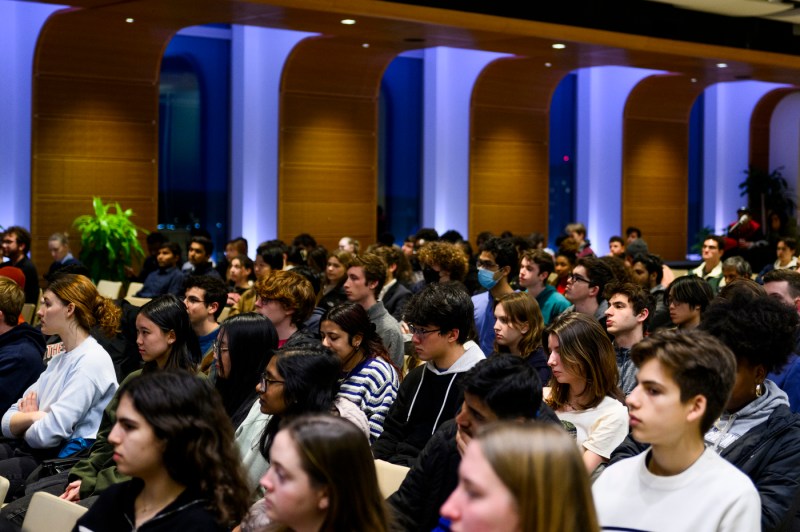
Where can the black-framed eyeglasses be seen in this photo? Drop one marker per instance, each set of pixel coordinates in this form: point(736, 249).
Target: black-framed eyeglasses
point(486, 264)
point(217, 347)
point(193, 299)
point(420, 332)
point(577, 278)
point(266, 381)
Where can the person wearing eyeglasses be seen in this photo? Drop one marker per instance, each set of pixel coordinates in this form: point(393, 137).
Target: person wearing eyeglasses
point(205, 297)
point(711, 268)
point(440, 319)
point(585, 287)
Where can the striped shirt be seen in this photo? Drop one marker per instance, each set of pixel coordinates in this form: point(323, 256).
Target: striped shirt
point(372, 386)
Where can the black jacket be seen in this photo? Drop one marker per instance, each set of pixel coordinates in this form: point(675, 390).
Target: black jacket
point(415, 505)
point(770, 455)
point(395, 300)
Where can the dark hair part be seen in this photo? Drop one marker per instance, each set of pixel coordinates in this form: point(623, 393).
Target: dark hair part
point(215, 290)
point(311, 381)
point(187, 415)
point(718, 239)
point(168, 313)
point(652, 263)
point(542, 259)
point(690, 289)
point(393, 255)
point(757, 329)
point(789, 242)
point(272, 255)
point(598, 272)
point(616, 238)
point(630, 230)
point(90, 307)
point(335, 454)
point(507, 384)
point(251, 340)
point(505, 254)
point(374, 269)
point(155, 237)
point(22, 235)
point(443, 305)
point(206, 242)
point(698, 363)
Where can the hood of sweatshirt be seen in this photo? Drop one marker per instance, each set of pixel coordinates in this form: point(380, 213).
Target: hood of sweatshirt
point(21, 333)
point(472, 355)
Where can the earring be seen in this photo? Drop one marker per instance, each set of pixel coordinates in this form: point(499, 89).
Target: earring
point(759, 389)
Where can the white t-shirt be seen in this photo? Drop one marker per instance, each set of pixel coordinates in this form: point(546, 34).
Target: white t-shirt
point(711, 495)
point(600, 429)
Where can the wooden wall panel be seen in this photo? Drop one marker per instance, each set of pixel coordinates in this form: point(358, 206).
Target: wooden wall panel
point(328, 140)
point(655, 161)
point(509, 132)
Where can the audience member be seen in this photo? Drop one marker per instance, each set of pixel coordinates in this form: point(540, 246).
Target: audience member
point(585, 288)
point(332, 291)
point(349, 245)
point(58, 246)
point(150, 264)
point(369, 379)
point(736, 268)
point(577, 231)
point(244, 346)
point(687, 299)
point(521, 477)
point(166, 278)
point(633, 233)
point(395, 294)
point(200, 250)
point(440, 319)
point(584, 391)
point(60, 413)
point(684, 382)
point(616, 246)
point(241, 278)
point(497, 263)
point(334, 484)
point(287, 299)
point(16, 246)
point(205, 298)
point(442, 262)
point(21, 346)
point(626, 320)
point(711, 268)
point(365, 278)
point(785, 251)
point(536, 267)
point(648, 272)
point(173, 438)
point(564, 263)
point(518, 330)
point(501, 387)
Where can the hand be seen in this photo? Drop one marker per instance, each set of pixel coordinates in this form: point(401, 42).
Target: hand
point(233, 298)
point(404, 328)
point(29, 403)
point(73, 492)
point(462, 440)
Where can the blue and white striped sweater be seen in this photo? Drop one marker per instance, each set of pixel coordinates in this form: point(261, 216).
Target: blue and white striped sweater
point(372, 387)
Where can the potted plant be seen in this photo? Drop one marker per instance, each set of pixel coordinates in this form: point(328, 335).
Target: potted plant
point(767, 192)
point(108, 241)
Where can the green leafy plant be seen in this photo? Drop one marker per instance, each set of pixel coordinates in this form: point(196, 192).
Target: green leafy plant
point(767, 191)
point(108, 241)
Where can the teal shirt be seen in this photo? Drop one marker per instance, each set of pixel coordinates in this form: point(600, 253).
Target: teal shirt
point(551, 303)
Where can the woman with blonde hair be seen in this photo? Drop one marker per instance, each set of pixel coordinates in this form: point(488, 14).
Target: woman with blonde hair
point(584, 391)
point(518, 330)
point(519, 476)
point(59, 414)
point(331, 293)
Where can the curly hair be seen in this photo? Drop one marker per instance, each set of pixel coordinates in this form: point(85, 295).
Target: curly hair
point(186, 413)
point(449, 257)
point(90, 307)
point(522, 310)
point(585, 351)
point(291, 290)
point(757, 329)
point(393, 255)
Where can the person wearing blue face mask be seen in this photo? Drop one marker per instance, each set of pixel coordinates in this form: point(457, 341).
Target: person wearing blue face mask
point(497, 263)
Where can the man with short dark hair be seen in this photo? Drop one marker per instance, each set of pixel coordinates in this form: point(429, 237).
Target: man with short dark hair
point(440, 318)
point(648, 272)
point(711, 268)
point(626, 320)
point(585, 288)
point(684, 382)
point(633, 233)
point(167, 279)
point(200, 250)
point(205, 297)
point(616, 246)
point(503, 387)
point(534, 270)
point(21, 346)
point(16, 246)
point(365, 278)
point(497, 263)
point(784, 285)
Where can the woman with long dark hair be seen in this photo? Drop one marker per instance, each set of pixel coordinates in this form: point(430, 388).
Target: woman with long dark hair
point(369, 379)
point(173, 437)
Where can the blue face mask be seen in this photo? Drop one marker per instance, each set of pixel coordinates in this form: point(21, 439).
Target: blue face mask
point(486, 279)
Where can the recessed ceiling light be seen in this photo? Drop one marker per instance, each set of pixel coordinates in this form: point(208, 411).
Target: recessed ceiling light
point(548, 65)
point(129, 20)
point(365, 45)
point(559, 46)
point(694, 80)
point(722, 65)
point(348, 21)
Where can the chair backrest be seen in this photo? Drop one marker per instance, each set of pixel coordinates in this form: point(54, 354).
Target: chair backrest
point(133, 288)
point(27, 312)
point(48, 513)
point(3, 489)
point(224, 314)
point(109, 289)
point(390, 476)
point(137, 301)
